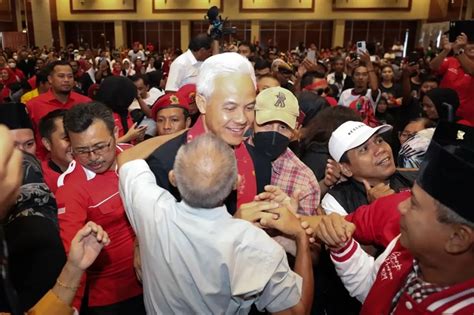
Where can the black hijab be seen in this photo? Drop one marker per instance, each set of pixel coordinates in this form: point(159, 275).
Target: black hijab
point(443, 95)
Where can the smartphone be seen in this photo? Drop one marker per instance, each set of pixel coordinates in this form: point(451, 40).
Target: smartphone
point(458, 27)
point(311, 55)
point(413, 58)
point(361, 47)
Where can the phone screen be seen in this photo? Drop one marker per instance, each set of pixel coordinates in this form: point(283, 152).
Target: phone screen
point(361, 47)
point(311, 55)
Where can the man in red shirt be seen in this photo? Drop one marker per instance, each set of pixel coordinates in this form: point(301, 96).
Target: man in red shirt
point(60, 96)
point(458, 72)
point(56, 141)
point(88, 191)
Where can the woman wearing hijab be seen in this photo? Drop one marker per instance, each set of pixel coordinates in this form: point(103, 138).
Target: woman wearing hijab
point(36, 253)
point(117, 93)
point(440, 104)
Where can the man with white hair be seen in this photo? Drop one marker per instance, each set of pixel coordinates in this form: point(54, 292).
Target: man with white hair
point(226, 99)
point(223, 266)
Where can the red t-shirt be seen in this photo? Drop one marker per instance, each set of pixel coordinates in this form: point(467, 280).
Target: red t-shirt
point(44, 103)
point(118, 123)
point(455, 78)
point(85, 196)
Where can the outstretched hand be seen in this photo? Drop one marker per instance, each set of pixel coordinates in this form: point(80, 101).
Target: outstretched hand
point(334, 230)
point(87, 244)
point(275, 194)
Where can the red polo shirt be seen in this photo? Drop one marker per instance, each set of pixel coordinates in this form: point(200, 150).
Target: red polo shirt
point(51, 174)
point(84, 196)
point(44, 103)
point(455, 78)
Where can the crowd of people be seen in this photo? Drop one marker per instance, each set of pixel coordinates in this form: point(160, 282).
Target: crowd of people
point(235, 179)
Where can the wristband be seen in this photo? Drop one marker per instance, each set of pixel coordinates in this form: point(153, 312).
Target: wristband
point(61, 284)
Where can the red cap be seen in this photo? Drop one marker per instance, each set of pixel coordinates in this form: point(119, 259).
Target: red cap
point(170, 100)
point(188, 91)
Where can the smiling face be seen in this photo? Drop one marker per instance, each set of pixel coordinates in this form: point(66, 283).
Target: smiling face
point(229, 111)
point(372, 161)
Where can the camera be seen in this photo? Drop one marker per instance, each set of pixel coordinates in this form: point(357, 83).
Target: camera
point(218, 24)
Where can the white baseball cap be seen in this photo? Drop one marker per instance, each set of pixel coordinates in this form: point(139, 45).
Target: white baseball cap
point(350, 135)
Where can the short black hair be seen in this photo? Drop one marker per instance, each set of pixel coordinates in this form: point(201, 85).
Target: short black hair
point(429, 78)
point(309, 77)
point(154, 78)
point(137, 77)
point(200, 41)
point(248, 44)
point(81, 116)
point(56, 63)
point(42, 75)
point(47, 126)
point(262, 64)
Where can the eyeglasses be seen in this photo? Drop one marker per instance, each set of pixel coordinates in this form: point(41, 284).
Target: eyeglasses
point(97, 149)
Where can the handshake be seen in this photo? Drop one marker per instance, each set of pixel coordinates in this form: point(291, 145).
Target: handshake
point(274, 209)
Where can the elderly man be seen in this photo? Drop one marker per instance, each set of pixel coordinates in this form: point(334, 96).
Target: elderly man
point(428, 267)
point(241, 263)
point(226, 99)
point(88, 190)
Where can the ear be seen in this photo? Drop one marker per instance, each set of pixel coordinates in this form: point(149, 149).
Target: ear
point(116, 133)
point(46, 144)
point(50, 80)
point(346, 170)
point(238, 181)
point(188, 122)
point(172, 178)
point(201, 103)
point(460, 240)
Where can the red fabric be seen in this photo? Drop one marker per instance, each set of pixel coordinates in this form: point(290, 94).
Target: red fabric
point(19, 73)
point(50, 176)
point(32, 82)
point(378, 223)
point(392, 276)
point(364, 108)
point(118, 123)
point(455, 78)
point(331, 100)
point(248, 185)
point(4, 93)
point(111, 277)
point(12, 78)
point(44, 103)
point(170, 99)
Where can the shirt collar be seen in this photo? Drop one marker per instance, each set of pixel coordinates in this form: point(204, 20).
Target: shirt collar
point(191, 57)
point(213, 213)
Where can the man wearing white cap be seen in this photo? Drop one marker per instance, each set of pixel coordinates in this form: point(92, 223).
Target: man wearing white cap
point(367, 162)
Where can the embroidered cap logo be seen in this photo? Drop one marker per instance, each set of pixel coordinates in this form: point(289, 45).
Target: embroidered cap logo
point(280, 102)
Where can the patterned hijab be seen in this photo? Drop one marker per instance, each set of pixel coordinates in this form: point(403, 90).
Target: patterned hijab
point(35, 198)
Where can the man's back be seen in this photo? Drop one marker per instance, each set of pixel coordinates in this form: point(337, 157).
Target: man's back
point(202, 261)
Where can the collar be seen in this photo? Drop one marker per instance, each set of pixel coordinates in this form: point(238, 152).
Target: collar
point(51, 97)
point(191, 58)
point(213, 213)
point(54, 167)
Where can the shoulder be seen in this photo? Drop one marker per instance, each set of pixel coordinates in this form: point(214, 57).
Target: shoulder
point(79, 97)
point(75, 173)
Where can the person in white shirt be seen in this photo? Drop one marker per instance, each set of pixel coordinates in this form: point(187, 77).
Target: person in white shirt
point(196, 258)
point(185, 68)
point(135, 52)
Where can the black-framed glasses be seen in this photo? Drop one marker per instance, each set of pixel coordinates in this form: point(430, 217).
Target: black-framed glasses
point(97, 149)
point(322, 91)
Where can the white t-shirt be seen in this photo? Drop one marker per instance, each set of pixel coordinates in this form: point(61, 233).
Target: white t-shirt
point(183, 70)
point(347, 98)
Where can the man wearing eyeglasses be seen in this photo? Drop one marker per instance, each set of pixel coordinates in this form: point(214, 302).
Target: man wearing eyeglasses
point(88, 191)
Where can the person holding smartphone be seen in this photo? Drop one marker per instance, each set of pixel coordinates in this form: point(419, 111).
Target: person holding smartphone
point(457, 71)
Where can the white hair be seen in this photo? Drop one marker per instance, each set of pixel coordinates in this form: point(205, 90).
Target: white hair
point(225, 63)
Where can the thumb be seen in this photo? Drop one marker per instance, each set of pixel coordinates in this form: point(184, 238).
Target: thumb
point(366, 185)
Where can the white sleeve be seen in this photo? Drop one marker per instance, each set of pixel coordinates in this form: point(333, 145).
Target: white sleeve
point(357, 269)
point(174, 77)
point(330, 204)
point(139, 191)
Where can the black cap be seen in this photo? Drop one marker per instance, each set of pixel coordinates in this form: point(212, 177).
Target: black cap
point(15, 116)
point(447, 172)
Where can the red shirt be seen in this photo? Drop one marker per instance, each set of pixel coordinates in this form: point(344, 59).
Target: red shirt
point(50, 174)
point(455, 78)
point(44, 103)
point(85, 196)
point(118, 123)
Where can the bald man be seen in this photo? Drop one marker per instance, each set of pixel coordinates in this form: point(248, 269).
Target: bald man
point(175, 255)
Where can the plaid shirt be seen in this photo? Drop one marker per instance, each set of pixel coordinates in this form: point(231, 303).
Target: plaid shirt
point(416, 288)
point(289, 173)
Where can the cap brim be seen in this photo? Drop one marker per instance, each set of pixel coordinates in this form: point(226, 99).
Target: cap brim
point(264, 116)
point(366, 136)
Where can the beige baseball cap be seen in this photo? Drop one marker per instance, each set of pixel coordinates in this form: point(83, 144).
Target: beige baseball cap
point(277, 104)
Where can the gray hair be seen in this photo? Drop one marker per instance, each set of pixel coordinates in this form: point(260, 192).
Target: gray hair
point(448, 216)
point(206, 171)
point(225, 63)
